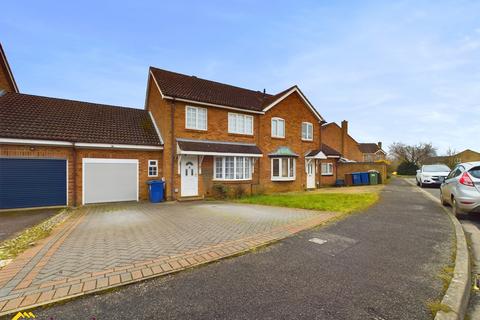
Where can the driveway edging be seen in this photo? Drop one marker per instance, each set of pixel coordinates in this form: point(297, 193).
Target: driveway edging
point(458, 292)
point(174, 264)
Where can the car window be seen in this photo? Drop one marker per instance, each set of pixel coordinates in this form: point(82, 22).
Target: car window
point(455, 173)
point(436, 168)
point(475, 172)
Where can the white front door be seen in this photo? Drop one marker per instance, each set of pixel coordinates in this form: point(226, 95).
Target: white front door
point(310, 174)
point(189, 174)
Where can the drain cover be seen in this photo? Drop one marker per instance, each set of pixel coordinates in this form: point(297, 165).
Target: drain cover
point(317, 240)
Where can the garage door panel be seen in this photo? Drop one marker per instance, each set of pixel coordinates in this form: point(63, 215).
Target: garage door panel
point(109, 181)
point(26, 183)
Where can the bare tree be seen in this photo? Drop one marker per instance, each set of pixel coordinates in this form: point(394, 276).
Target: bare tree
point(415, 154)
point(451, 157)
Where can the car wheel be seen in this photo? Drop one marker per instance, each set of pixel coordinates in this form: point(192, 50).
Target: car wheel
point(455, 210)
point(442, 199)
point(418, 184)
point(422, 185)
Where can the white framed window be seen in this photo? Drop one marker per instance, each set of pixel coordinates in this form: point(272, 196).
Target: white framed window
point(327, 169)
point(240, 123)
point(307, 131)
point(283, 169)
point(153, 168)
point(232, 168)
point(195, 118)
point(278, 128)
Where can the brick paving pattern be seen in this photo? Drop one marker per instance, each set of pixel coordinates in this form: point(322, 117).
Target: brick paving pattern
point(101, 247)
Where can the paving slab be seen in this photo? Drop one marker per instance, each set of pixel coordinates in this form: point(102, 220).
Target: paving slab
point(105, 246)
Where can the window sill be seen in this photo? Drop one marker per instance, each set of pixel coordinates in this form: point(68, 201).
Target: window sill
point(327, 174)
point(196, 130)
point(283, 179)
point(307, 140)
point(280, 138)
point(240, 134)
point(217, 181)
point(153, 176)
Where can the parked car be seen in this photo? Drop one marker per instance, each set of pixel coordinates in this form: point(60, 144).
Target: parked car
point(461, 189)
point(432, 174)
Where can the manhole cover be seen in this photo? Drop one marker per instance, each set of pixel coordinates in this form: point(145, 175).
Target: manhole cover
point(317, 240)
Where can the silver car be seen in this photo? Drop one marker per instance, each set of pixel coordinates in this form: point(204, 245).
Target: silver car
point(432, 174)
point(461, 188)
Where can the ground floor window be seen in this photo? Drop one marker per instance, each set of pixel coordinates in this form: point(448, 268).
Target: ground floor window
point(327, 169)
point(283, 169)
point(232, 168)
point(152, 168)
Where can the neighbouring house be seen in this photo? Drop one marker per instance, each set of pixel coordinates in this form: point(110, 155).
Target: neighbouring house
point(339, 138)
point(218, 136)
point(464, 156)
point(56, 152)
point(7, 81)
point(372, 152)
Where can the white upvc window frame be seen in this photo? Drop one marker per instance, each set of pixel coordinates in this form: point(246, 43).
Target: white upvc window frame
point(329, 171)
point(197, 123)
point(152, 164)
point(235, 158)
point(274, 125)
point(308, 131)
point(291, 169)
point(238, 116)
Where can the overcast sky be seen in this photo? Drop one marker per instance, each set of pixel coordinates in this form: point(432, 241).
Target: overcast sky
point(404, 71)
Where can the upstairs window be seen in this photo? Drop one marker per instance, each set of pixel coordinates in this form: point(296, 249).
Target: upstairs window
point(240, 123)
point(195, 118)
point(307, 131)
point(278, 128)
point(152, 168)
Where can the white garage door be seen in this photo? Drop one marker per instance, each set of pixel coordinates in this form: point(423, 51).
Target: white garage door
point(110, 180)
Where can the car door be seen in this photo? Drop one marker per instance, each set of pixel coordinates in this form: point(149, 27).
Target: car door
point(449, 183)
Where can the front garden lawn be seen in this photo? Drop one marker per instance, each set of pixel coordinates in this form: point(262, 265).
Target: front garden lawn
point(339, 202)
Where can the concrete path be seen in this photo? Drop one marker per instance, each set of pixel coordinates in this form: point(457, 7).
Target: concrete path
point(12, 222)
point(380, 264)
point(102, 247)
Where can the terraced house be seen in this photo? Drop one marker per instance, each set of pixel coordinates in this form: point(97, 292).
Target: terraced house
point(242, 140)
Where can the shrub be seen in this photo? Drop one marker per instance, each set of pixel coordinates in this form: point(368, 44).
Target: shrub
point(407, 168)
point(238, 192)
point(219, 191)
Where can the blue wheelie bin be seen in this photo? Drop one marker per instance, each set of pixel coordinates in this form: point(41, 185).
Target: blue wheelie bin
point(356, 178)
point(365, 176)
point(155, 190)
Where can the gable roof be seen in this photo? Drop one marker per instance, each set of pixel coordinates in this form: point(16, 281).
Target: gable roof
point(173, 85)
point(25, 116)
point(326, 150)
point(6, 70)
point(334, 124)
point(369, 148)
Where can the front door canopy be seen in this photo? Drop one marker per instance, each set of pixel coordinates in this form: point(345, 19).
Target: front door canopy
point(217, 148)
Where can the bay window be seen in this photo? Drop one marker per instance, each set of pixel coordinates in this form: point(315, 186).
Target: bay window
point(240, 123)
point(233, 168)
point(283, 168)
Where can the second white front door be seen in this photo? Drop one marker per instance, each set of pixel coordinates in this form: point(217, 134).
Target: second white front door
point(310, 174)
point(189, 175)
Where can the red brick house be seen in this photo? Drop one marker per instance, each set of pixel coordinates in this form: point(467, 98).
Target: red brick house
point(244, 140)
point(372, 152)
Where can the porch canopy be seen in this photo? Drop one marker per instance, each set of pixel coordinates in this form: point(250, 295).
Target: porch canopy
point(324, 152)
point(217, 148)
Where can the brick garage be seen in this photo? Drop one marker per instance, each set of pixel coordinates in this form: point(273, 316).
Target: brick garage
point(75, 131)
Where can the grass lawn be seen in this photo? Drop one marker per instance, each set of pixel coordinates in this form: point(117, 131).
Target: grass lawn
point(339, 202)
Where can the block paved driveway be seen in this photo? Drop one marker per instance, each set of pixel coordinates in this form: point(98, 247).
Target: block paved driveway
point(110, 245)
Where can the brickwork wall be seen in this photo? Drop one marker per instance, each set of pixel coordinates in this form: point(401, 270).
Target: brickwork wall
point(21, 151)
